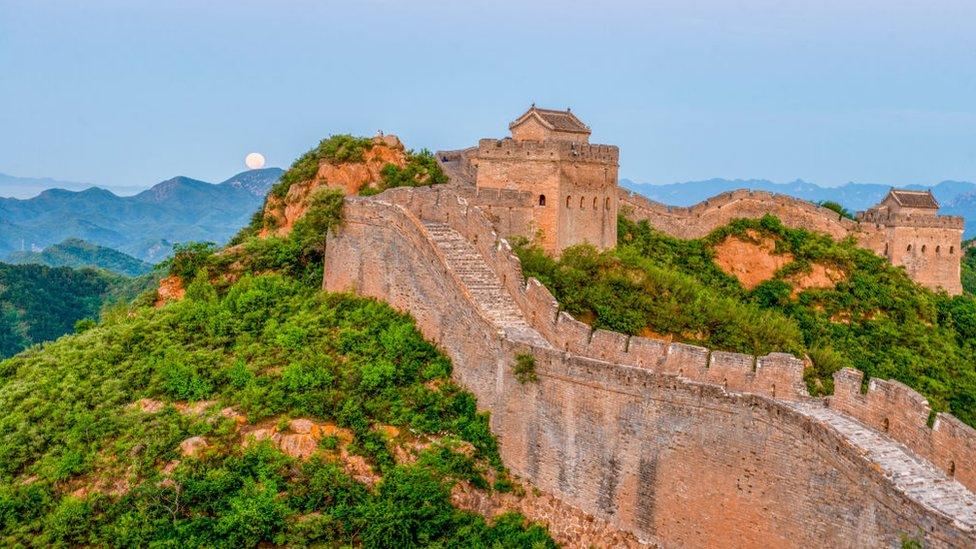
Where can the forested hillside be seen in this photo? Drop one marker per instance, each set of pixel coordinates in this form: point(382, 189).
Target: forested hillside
point(39, 303)
point(251, 409)
point(77, 253)
point(757, 287)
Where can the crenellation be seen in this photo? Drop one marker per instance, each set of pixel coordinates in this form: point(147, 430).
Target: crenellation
point(647, 353)
point(688, 361)
point(731, 370)
point(780, 375)
point(607, 345)
point(571, 334)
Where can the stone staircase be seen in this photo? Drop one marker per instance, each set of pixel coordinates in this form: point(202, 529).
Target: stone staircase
point(914, 476)
point(483, 284)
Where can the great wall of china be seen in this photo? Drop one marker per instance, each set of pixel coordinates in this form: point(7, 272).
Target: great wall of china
point(680, 445)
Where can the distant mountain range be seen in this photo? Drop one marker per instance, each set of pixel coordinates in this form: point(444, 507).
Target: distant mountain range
point(12, 186)
point(145, 225)
point(956, 197)
point(77, 253)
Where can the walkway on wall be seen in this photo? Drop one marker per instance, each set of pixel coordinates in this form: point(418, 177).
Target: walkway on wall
point(483, 284)
point(914, 476)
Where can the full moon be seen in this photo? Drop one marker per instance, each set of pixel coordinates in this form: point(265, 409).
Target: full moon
point(254, 161)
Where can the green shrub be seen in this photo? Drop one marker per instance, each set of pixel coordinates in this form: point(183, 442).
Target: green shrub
point(271, 347)
point(524, 369)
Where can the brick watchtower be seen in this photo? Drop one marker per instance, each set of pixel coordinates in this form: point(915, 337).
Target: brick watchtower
point(573, 183)
point(911, 234)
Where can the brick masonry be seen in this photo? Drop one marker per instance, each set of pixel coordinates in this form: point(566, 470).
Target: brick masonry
point(677, 444)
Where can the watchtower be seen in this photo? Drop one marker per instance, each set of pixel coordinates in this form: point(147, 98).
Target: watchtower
point(572, 183)
point(928, 245)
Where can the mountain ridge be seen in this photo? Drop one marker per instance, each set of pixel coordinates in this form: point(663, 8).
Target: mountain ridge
point(145, 225)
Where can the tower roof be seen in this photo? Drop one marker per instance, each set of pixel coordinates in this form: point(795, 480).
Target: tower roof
point(914, 199)
point(560, 121)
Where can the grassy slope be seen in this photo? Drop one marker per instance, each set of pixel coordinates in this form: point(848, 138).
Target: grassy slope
point(877, 320)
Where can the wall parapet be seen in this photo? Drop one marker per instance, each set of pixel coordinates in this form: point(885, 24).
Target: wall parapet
point(894, 408)
point(893, 219)
point(547, 150)
point(776, 375)
point(630, 364)
point(694, 221)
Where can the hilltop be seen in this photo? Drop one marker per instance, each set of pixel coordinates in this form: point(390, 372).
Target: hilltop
point(252, 407)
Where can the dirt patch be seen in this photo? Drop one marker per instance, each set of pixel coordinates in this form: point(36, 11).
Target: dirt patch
point(753, 260)
point(302, 439)
point(819, 276)
point(170, 289)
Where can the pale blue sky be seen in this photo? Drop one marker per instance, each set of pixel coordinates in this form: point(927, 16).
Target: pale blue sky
point(125, 92)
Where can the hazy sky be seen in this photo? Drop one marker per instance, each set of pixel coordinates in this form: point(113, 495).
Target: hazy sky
point(127, 92)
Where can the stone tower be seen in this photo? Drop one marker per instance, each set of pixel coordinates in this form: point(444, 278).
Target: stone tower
point(572, 182)
point(910, 233)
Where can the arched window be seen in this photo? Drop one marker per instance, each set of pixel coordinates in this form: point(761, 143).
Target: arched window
point(542, 200)
point(568, 198)
point(885, 424)
point(923, 248)
point(582, 199)
point(886, 249)
point(938, 250)
point(952, 469)
point(594, 202)
point(606, 205)
point(952, 250)
point(909, 248)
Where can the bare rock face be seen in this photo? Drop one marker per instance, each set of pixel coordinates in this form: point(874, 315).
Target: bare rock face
point(170, 289)
point(192, 446)
point(752, 261)
point(350, 177)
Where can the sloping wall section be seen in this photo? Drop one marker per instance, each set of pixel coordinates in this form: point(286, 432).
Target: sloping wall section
point(682, 446)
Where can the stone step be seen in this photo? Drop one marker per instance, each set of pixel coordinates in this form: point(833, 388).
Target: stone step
point(482, 283)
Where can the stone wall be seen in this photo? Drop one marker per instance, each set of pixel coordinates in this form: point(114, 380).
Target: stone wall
point(702, 218)
point(661, 439)
point(933, 259)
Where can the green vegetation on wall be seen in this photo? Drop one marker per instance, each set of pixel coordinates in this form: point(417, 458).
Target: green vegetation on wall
point(969, 268)
point(875, 319)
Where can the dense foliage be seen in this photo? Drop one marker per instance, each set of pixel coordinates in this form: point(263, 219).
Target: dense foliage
point(969, 268)
point(336, 149)
point(837, 207)
point(39, 303)
point(876, 319)
point(77, 253)
point(80, 464)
